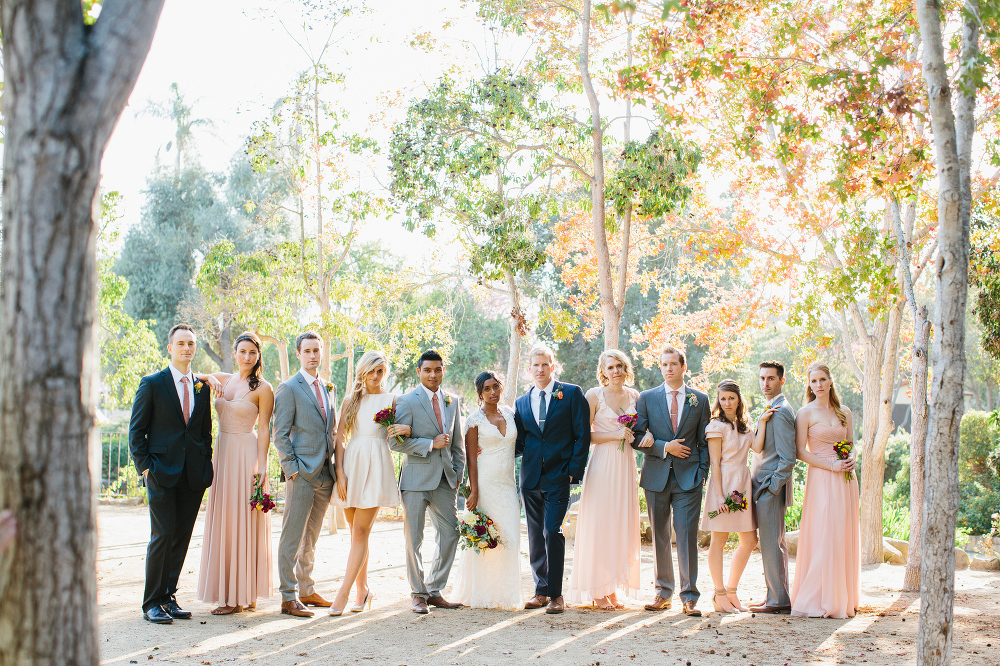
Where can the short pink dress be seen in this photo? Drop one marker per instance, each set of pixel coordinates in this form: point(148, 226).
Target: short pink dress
point(828, 564)
point(735, 476)
point(606, 551)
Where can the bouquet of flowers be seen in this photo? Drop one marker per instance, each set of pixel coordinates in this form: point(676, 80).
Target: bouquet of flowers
point(259, 500)
point(629, 421)
point(476, 530)
point(843, 451)
point(386, 418)
point(735, 501)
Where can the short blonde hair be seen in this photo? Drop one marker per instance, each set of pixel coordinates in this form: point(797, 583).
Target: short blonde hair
point(618, 356)
point(670, 349)
point(542, 350)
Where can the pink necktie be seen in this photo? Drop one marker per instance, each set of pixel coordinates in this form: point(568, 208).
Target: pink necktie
point(673, 411)
point(187, 400)
point(437, 411)
point(322, 407)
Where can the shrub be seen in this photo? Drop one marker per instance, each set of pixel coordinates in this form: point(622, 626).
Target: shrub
point(793, 514)
point(979, 480)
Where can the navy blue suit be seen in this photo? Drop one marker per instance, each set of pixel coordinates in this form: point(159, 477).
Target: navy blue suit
point(550, 457)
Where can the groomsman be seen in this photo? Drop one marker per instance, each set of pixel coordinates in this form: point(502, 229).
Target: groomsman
point(772, 488)
point(670, 432)
point(170, 439)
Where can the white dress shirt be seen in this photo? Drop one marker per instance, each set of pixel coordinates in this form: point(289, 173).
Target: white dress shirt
point(322, 388)
point(681, 394)
point(773, 400)
point(180, 387)
point(536, 399)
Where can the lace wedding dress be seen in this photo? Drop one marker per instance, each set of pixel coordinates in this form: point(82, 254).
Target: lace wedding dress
point(493, 579)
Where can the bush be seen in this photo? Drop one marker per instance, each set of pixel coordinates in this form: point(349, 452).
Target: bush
point(979, 480)
point(793, 514)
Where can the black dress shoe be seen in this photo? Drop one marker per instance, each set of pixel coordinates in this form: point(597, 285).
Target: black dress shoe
point(157, 615)
point(175, 611)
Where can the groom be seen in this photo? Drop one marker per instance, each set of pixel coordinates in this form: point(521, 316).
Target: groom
point(432, 469)
point(772, 488)
point(670, 432)
point(170, 439)
point(553, 440)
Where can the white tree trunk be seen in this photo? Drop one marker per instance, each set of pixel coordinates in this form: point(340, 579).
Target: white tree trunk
point(516, 333)
point(937, 587)
point(918, 444)
point(65, 87)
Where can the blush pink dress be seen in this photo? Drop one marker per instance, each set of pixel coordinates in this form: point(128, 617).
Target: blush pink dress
point(606, 552)
point(828, 564)
point(236, 551)
point(735, 476)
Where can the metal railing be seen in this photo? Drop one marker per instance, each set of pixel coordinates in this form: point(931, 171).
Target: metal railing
point(118, 475)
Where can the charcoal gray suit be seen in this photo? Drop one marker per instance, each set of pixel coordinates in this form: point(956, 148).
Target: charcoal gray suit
point(304, 441)
point(772, 492)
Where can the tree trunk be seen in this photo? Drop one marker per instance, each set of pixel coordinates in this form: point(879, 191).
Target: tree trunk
point(612, 317)
point(516, 332)
point(65, 87)
point(937, 584)
point(282, 353)
point(918, 443)
point(226, 346)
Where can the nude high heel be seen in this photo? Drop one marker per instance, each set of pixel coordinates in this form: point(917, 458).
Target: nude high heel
point(725, 602)
point(366, 603)
point(734, 600)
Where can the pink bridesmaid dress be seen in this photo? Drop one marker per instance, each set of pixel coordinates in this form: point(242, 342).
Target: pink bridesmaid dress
point(606, 551)
point(236, 551)
point(735, 476)
point(828, 564)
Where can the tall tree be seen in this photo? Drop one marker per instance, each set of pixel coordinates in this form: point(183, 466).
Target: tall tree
point(65, 86)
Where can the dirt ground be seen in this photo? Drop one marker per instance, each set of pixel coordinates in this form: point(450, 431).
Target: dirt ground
point(884, 631)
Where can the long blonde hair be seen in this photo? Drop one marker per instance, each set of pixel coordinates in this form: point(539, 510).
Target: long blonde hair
point(834, 400)
point(369, 362)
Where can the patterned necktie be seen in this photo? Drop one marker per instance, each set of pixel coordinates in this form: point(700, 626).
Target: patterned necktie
point(437, 411)
point(319, 398)
point(541, 409)
point(674, 407)
point(187, 400)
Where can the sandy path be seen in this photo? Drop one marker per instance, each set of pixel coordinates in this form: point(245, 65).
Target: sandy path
point(884, 632)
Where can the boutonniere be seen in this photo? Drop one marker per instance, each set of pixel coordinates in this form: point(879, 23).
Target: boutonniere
point(693, 400)
point(447, 399)
point(329, 387)
point(558, 393)
point(197, 386)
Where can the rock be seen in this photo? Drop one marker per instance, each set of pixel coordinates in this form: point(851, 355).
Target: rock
point(792, 542)
point(569, 525)
point(891, 554)
point(645, 532)
point(704, 538)
point(902, 546)
point(961, 559)
point(981, 563)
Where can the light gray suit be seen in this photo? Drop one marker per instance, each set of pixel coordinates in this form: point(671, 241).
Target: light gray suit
point(305, 447)
point(772, 492)
point(429, 479)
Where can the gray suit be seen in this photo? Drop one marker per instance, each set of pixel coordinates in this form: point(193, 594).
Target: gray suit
point(673, 483)
point(429, 479)
point(305, 447)
point(772, 492)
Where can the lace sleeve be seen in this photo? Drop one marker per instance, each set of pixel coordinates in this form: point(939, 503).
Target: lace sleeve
point(476, 419)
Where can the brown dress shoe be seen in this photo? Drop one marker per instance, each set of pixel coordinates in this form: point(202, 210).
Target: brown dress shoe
point(419, 605)
point(658, 604)
point(770, 609)
point(440, 602)
point(315, 600)
point(689, 609)
point(555, 606)
point(293, 607)
point(536, 602)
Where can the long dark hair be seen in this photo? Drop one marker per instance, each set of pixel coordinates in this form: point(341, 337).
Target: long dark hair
point(719, 414)
point(258, 370)
point(481, 380)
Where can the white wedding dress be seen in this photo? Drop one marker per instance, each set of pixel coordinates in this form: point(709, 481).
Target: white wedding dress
point(493, 579)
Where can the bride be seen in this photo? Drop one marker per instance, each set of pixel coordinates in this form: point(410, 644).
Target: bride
point(492, 579)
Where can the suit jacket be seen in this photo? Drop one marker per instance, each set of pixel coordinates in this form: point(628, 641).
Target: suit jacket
point(559, 451)
point(161, 442)
point(303, 439)
point(654, 417)
point(424, 466)
point(772, 468)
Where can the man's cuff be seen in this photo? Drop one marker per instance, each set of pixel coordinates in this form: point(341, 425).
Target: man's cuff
point(430, 447)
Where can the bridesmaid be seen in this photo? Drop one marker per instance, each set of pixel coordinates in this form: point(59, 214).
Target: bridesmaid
point(236, 553)
point(828, 565)
point(366, 478)
point(729, 442)
point(606, 552)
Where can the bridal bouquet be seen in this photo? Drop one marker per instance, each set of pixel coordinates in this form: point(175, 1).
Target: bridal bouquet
point(629, 421)
point(735, 501)
point(259, 500)
point(843, 451)
point(476, 530)
point(386, 418)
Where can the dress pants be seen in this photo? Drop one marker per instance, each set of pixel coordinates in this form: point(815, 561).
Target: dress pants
point(306, 503)
point(442, 505)
point(544, 511)
point(770, 511)
point(686, 508)
point(172, 514)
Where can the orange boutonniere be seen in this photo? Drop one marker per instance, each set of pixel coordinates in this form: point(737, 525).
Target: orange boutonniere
point(329, 387)
point(558, 393)
point(197, 386)
point(447, 399)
